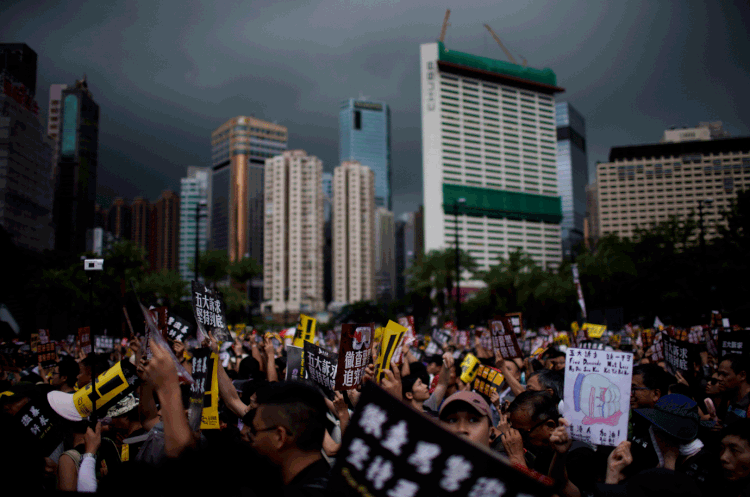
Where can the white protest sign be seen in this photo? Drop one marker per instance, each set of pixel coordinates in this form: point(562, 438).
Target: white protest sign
point(597, 395)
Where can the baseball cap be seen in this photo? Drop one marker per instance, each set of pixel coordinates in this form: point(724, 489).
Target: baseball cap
point(472, 398)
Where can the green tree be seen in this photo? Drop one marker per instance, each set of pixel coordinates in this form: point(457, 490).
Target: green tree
point(166, 287)
point(213, 266)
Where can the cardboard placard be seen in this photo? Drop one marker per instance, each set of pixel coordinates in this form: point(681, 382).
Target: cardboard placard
point(597, 395)
point(504, 338)
point(679, 354)
point(84, 337)
point(392, 336)
point(390, 450)
point(294, 362)
point(203, 412)
point(152, 333)
point(355, 351)
point(469, 368)
point(320, 367)
point(733, 342)
point(486, 379)
point(111, 386)
point(210, 313)
point(178, 329)
point(305, 331)
point(46, 355)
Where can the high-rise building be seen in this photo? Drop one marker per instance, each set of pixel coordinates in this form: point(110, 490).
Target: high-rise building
point(572, 174)
point(76, 169)
point(591, 223)
point(167, 231)
point(328, 237)
point(240, 148)
point(353, 233)
point(385, 255)
point(646, 184)
point(488, 152)
point(193, 218)
point(408, 239)
point(53, 118)
point(293, 266)
point(26, 187)
point(119, 220)
point(365, 136)
point(140, 222)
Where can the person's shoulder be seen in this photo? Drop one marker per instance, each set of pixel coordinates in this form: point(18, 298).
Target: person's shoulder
point(311, 481)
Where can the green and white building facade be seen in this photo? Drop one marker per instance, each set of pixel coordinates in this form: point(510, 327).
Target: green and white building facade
point(489, 154)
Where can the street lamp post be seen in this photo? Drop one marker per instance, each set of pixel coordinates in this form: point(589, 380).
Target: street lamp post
point(701, 203)
point(458, 266)
point(198, 207)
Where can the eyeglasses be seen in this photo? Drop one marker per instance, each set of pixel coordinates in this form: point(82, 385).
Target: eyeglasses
point(633, 389)
point(526, 433)
point(254, 432)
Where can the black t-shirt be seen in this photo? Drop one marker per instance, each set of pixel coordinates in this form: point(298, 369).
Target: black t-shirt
point(311, 481)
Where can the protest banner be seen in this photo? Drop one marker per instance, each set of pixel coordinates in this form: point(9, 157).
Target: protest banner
point(178, 328)
point(46, 355)
point(84, 338)
point(392, 335)
point(294, 362)
point(597, 395)
point(679, 355)
point(355, 350)
point(485, 338)
point(732, 342)
point(203, 412)
point(210, 313)
point(516, 320)
point(390, 450)
point(486, 379)
point(43, 336)
point(152, 333)
point(305, 331)
point(111, 386)
point(46, 428)
point(320, 367)
point(504, 338)
point(594, 330)
point(104, 343)
point(469, 368)
point(441, 336)
point(562, 338)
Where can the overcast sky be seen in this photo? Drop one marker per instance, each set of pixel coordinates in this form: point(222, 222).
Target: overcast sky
point(167, 73)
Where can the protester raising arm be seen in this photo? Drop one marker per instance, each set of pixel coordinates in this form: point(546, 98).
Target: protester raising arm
point(513, 383)
point(561, 441)
point(148, 413)
point(227, 391)
point(162, 373)
point(437, 396)
point(617, 461)
point(271, 373)
point(87, 471)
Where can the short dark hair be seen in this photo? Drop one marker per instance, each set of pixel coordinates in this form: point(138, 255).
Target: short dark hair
point(249, 368)
point(435, 358)
point(420, 370)
point(550, 379)
point(541, 405)
point(654, 377)
point(68, 367)
point(737, 362)
point(407, 384)
point(299, 407)
point(552, 353)
point(739, 428)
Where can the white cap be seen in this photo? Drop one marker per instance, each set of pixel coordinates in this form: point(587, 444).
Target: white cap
point(62, 403)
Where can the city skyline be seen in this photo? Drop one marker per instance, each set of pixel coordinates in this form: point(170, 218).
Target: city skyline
point(631, 70)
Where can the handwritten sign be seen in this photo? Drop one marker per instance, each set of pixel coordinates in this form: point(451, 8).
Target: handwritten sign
point(597, 395)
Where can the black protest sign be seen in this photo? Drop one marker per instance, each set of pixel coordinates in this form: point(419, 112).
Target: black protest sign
point(210, 313)
point(178, 328)
point(504, 338)
point(516, 319)
point(320, 367)
point(733, 342)
point(39, 420)
point(200, 394)
point(46, 354)
point(441, 336)
point(679, 355)
point(354, 354)
point(392, 450)
point(486, 379)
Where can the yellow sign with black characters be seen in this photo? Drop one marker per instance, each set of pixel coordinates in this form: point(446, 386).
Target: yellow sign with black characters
point(594, 330)
point(305, 331)
point(392, 335)
point(210, 414)
point(469, 368)
point(111, 386)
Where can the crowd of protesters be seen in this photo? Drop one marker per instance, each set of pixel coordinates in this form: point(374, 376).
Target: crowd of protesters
point(689, 434)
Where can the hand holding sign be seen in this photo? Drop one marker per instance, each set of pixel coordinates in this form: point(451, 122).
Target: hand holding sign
point(160, 368)
point(560, 437)
point(391, 381)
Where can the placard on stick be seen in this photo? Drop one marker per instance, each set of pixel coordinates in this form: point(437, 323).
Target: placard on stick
point(354, 354)
point(390, 450)
point(597, 395)
point(210, 313)
point(504, 338)
point(678, 354)
point(320, 367)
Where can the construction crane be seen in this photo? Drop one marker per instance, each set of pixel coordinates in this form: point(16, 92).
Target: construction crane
point(510, 56)
point(445, 25)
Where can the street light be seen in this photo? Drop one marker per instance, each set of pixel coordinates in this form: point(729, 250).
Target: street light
point(460, 201)
point(202, 204)
point(701, 203)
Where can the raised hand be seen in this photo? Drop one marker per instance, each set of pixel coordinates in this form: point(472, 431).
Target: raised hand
point(93, 439)
point(560, 437)
point(512, 441)
point(618, 460)
point(160, 369)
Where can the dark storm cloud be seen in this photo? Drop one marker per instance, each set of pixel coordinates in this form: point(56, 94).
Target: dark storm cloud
point(165, 74)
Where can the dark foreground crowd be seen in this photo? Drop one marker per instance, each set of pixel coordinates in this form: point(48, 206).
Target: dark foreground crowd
point(688, 435)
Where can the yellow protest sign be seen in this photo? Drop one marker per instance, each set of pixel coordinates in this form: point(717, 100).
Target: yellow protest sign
point(305, 331)
point(210, 414)
point(111, 386)
point(469, 368)
point(378, 334)
point(391, 337)
point(562, 339)
point(574, 327)
point(125, 453)
point(594, 330)
point(486, 379)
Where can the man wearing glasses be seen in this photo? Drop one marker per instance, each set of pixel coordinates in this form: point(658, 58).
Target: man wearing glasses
point(288, 428)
